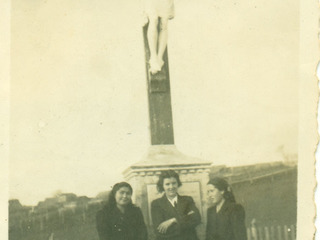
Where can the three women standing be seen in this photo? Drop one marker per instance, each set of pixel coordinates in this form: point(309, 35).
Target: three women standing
point(174, 217)
point(120, 219)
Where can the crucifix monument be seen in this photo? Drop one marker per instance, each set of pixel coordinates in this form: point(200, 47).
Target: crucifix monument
point(162, 154)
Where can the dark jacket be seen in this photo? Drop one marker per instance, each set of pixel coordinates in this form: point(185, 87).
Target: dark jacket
point(112, 224)
point(227, 224)
point(184, 229)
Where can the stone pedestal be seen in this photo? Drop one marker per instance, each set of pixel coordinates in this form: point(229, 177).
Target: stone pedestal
point(143, 176)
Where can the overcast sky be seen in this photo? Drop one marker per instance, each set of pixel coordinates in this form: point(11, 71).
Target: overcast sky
point(79, 111)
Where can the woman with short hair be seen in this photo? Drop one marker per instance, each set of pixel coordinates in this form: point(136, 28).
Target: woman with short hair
point(120, 219)
point(226, 218)
point(174, 217)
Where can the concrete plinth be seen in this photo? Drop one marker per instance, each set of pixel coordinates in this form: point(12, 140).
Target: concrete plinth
point(143, 176)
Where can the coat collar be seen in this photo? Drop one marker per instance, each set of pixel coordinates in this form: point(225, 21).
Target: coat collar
point(164, 198)
point(166, 203)
point(226, 205)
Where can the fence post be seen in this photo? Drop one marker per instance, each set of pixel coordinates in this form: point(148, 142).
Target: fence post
point(267, 234)
point(279, 233)
point(254, 231)
point(285, 228)
point(273, 235)
point(51, 236)
point(260, 233)
point(293, 232)
point(249, 234)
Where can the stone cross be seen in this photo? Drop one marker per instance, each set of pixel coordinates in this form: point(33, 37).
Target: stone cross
point(162, 154)
point(159, 97)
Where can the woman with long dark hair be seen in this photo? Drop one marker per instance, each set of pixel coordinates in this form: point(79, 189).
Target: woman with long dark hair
point(225, 218)
point(174, 217)
point(120, 219)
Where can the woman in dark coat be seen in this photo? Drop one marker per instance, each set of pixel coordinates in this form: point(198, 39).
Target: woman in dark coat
point(225, 219)
point(174, 217)
point(120, 219)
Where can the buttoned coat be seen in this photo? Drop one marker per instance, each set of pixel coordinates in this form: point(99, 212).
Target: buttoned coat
point(186, 214)
point(227, 224)
point(112, 224)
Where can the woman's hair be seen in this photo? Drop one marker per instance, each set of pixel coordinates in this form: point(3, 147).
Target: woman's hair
point(112, 195)
point(167, 174)
point(223, 185)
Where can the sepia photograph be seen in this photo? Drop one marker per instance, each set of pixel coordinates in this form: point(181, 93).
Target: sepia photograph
point(161, 119)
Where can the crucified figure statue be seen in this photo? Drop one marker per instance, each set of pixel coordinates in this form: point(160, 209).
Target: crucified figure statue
point(157, 12)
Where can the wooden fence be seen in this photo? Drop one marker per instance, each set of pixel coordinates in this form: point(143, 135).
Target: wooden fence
point(272, 233)
point(260, 233)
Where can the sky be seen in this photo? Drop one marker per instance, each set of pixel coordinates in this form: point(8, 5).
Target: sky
point(79, 110)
